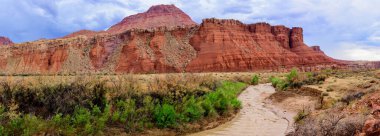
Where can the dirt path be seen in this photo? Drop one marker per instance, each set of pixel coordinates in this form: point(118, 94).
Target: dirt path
point(255, 118)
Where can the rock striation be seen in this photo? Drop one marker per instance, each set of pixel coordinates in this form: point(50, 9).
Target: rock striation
point(165, 39)
point(229, 45)
point(5, 41)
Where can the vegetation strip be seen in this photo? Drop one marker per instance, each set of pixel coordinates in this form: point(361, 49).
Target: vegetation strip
point(89, 109)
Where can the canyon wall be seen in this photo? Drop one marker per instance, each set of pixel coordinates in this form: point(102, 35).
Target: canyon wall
point(214, 46)
point(164, 39)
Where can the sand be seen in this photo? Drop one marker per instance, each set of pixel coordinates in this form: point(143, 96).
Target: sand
point(257, 117)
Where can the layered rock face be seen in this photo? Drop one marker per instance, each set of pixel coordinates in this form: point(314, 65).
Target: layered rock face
point(5, 41)
point(156, 16)
point(229, 45)
point(164, 39)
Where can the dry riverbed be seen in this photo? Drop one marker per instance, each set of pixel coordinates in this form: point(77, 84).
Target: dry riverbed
point(257, 117)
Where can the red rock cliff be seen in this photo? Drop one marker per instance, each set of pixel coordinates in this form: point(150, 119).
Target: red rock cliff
point(168, 42)
point(229, 45)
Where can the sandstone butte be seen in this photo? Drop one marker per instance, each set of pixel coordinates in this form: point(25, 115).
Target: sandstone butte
point(165, 39)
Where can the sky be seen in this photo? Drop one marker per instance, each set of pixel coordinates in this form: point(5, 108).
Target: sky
point(345, 29)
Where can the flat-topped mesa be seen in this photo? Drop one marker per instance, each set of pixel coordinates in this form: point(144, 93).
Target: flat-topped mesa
point(156, 16)
point(296, 37)
point(261, 27)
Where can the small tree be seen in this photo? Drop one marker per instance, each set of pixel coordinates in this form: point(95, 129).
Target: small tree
point(255, 80)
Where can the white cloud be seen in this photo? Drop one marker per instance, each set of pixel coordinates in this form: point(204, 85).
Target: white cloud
point(357, 51)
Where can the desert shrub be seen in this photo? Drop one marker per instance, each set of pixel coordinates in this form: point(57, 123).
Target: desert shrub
point(61, 125)
point(51, 99)
point(308, 127)
point(330, 124)
point(255, 80)
point(84, 108)
point(224, 105)
point(349, 126)
point(132, 117)
point(90, 122)
point(329, 89)
point(225, 97)
point(351, 97)
point(81, 119)
point(310, 78)
point(165, 116)
point(22, 125)
point(208, 106)
point(236, 104)
point(321, 78)
point(192, 109)
point(301, 115)
point(292, 76)
point(278, 83)
point(127, 110)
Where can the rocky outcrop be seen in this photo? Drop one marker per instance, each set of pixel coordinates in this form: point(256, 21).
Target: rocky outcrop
point(5, 41)
point(164, 39)
point(156, 16)
point(316, 48)
point(372, 125)
point(162, 50)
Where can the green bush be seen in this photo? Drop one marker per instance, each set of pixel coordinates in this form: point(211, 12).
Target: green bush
point(192, 110)
point(293, 79)
point(236, 103)
point(278, 83)
point(292, 76)
point(75, 109)
point(61, 125)
point(90, 122)
point(255, 80)
point(208, 106)
point(165, 116)
point(224, 98)
point(2, 130)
